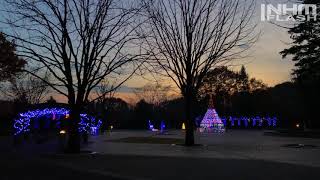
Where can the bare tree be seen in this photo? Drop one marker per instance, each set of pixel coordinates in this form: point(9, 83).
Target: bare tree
point(104, 94)
point(187, 38)
point(80, 42)
point(105, 90)
point(29, 89)
point(154, 94)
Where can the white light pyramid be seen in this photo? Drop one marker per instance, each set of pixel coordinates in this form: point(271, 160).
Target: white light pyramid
point(211, 121)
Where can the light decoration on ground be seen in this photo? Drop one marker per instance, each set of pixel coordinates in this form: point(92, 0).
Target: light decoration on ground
point(246, 121)
point(183, 126)
point(255, 121)
point(150, 126)
point(211, 122)
point(232, 121)
point(162, 126)
point(87, 123)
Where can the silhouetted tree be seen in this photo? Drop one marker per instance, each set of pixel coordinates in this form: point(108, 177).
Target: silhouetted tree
point(143, 112)
point(105, 90)
point(10, 63)
point(174, 113)
point(113, 111)
point(243, 80)
point(306, 55)
point(255, 84)
point(305, 48)
point(51, 100)
point(28, 89)
point(220, 79)
point(187, 38)
point(80, 42)
point(154, 94)
point(223, 83)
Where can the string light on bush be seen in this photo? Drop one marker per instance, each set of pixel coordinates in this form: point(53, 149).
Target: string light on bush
point(22, 123)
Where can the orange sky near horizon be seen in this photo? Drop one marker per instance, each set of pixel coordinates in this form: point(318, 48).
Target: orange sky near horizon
point(264, 63)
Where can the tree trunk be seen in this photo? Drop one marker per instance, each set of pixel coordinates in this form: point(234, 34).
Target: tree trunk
point(73, 132)
point(189, 139)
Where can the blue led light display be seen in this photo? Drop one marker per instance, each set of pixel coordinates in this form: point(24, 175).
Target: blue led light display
point(87, 123)
point(151, 127)
point(254, 121)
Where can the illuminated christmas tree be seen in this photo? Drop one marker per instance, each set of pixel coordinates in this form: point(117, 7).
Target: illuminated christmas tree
point(211, 121)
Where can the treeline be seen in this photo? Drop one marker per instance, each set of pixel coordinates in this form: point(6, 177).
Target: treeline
point(282, 101)
point(234, 93)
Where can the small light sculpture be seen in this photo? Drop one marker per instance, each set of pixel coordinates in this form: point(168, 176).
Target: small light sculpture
point(162, 126)
point(183, 126)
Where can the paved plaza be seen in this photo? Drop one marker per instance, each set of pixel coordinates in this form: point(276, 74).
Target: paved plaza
point(234, 144)
point(236, 154)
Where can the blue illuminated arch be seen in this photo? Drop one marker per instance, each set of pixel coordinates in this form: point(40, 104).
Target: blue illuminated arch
point(22, 123)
